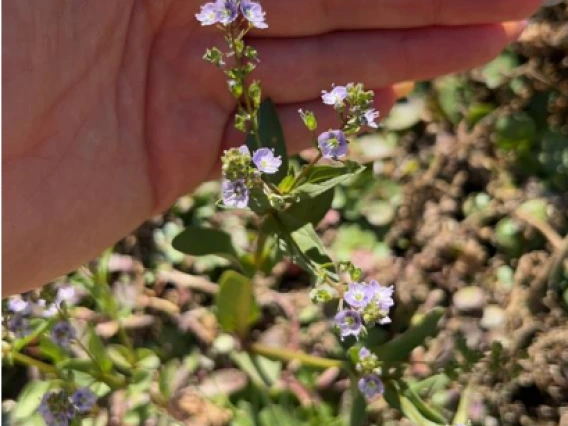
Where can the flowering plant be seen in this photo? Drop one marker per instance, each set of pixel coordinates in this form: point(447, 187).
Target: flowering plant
point(289, 202)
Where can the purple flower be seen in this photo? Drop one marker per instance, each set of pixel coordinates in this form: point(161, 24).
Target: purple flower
point(358, 295)
point(332, 144)
point(18, 305)
point(265, 161)
point(364, 353)
point(19, 326)
point(349, 323)
point(336, 97)
point(227, 11)
point(243, 149)
point(370, 118)
point(62, 333)
point(83, 400)
point(66, 293)
point(56, 409)
point(382, 295)
point(209, 14)
point(371, 386)
point(253, 13)
point(56, 419)
point(235, 194)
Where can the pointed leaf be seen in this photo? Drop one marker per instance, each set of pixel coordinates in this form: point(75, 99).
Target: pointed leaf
point(312, 210)
point(300, 242)
point(399, 348)
point(428, 412)
point(97, 349)
point(322, 178)
point(236, 305)
point(51, 350)
point(30, 399)
point(199, 241)
point(271, 136)
point(464, 405)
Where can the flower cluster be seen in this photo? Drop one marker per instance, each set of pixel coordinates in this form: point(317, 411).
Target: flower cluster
point(58, 409)
point(355, 107)
point(21, 308)
point(370, 383)
point(225, 12)
point(239, 175)
point(369, 303)
point(354, 104)
point(62, 333)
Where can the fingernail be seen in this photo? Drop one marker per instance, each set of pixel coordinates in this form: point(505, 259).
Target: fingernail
point(403, 89)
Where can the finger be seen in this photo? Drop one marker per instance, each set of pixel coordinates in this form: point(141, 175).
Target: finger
point(294, 18)
point(295, 133)
point(294, 70)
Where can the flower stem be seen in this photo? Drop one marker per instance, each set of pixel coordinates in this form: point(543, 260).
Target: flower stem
point(305, 171)
point(288, 355)
point(41, 366)
point(250, 110)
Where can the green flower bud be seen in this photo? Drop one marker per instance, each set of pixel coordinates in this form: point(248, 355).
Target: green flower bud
point(277, 202)
point(309, 119)
point(323, 293)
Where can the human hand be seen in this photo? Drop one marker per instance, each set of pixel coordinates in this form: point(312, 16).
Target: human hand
point(110, 113)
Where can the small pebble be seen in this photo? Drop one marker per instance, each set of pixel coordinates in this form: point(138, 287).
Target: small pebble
point(470, 298)
point(493, 317)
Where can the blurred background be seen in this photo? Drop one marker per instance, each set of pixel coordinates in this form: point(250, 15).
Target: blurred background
point(464, 205)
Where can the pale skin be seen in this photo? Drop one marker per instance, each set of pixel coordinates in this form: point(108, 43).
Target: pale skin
point(110, 114)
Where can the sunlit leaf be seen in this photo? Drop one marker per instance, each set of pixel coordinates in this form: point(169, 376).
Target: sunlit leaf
point(236, 305)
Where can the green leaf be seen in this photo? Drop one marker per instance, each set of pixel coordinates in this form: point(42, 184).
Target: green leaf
point(427, 411)
point(398, 349)
point(515, 132)
point(450, 92)
point(78, 364)
point(277, 415)
point(400, 402)
point(358, 412)
point(261, 370)
point(478, 111)
point(49, 349)
point(97, 349)
point(322, 178)
point(300, 242)
point(147, 359)
point(167, 376)
point(464, 405)
point(199, 241)
point(120, 356)
point(30, 399)
point(497, 71)
point(271, 136)
point(236, 305)
point(414, 414)
point(312, 210)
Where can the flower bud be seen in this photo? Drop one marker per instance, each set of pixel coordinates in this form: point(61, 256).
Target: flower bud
point(323, 293)
point(277, 202)
point(309, 119)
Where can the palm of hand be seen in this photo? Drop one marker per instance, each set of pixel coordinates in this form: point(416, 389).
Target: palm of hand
point(113, 113)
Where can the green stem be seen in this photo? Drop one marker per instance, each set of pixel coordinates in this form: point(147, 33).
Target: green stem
point(248, 104)
point(41, 366)
point(305, 171)
point(260, 242)
point(288, 355)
